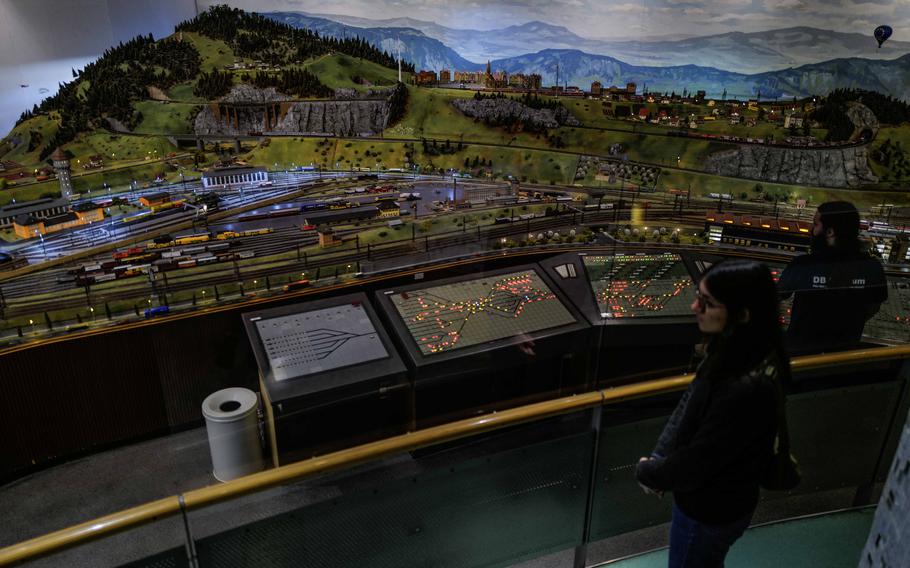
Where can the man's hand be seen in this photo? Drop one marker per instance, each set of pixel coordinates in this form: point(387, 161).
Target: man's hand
point(645, 488)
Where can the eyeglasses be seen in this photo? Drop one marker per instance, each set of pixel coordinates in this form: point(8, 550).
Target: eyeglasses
point(704, 302)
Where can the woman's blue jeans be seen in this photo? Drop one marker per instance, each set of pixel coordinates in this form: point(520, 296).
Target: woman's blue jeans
point(697, 545)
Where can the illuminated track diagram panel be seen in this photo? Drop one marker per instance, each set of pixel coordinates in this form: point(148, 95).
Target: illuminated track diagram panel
point(319, 340)
point(458, 315)
point(641, 285)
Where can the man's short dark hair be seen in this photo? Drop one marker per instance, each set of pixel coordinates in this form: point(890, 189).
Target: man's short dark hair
point(843, 218)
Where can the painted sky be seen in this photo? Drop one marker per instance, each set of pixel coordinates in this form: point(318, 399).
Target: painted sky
point(617, 18)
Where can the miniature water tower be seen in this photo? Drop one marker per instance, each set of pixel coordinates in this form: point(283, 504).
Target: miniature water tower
point(62, 168)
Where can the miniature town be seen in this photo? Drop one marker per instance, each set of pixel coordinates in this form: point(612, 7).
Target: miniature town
point(410, 160)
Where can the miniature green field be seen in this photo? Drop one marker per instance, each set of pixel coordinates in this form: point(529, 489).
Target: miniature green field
point(285, 153)
point(30, 192)
point(45, 125)
point(382, 155)
point(215, 53)
point(431, 115)
point(117, 148)
point(158, 118)
point(336, 71)
point(184, 93)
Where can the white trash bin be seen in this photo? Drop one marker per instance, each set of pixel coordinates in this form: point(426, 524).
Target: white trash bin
point(232, 424)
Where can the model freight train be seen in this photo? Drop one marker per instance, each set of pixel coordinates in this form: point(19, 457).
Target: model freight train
point(168, 242)
point(196, 250)
point(333, 204)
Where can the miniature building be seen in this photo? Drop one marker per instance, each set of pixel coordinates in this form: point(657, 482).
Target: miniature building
point(153, 199)
point(388, 209)
point(224, 177)
point(762, 232)
point(472, 77)
point(488, 77)
point(425, 78)
point(327, 237)
point(39, 208)
point(794, 120)
point(28, 226)
point(93, 162)
point(485, 192)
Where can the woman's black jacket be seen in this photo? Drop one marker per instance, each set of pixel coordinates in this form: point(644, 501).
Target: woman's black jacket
point(717, 444)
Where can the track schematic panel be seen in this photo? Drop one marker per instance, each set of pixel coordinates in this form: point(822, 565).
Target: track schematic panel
point(458, 315)
point(640, 285)
point(319, 340)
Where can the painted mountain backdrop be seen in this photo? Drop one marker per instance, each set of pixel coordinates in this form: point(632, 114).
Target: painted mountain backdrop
point(802, 61)
point(425, 52)
point(580, 69)
point(735, 51)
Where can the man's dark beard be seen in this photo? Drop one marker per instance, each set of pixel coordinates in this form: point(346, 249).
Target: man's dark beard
point(819, 243)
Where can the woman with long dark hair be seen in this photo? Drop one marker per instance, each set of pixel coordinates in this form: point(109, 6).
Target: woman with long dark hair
point(719, 440)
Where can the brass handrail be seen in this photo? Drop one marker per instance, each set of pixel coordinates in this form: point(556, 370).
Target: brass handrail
point(197, 498)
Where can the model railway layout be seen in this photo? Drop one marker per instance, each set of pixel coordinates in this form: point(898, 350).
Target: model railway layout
point(472, 312)
point(640, 285)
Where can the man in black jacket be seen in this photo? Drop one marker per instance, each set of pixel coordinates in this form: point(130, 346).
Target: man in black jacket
point(836, 288)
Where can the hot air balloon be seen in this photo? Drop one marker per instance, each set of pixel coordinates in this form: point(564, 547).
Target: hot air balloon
point(882, 33)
